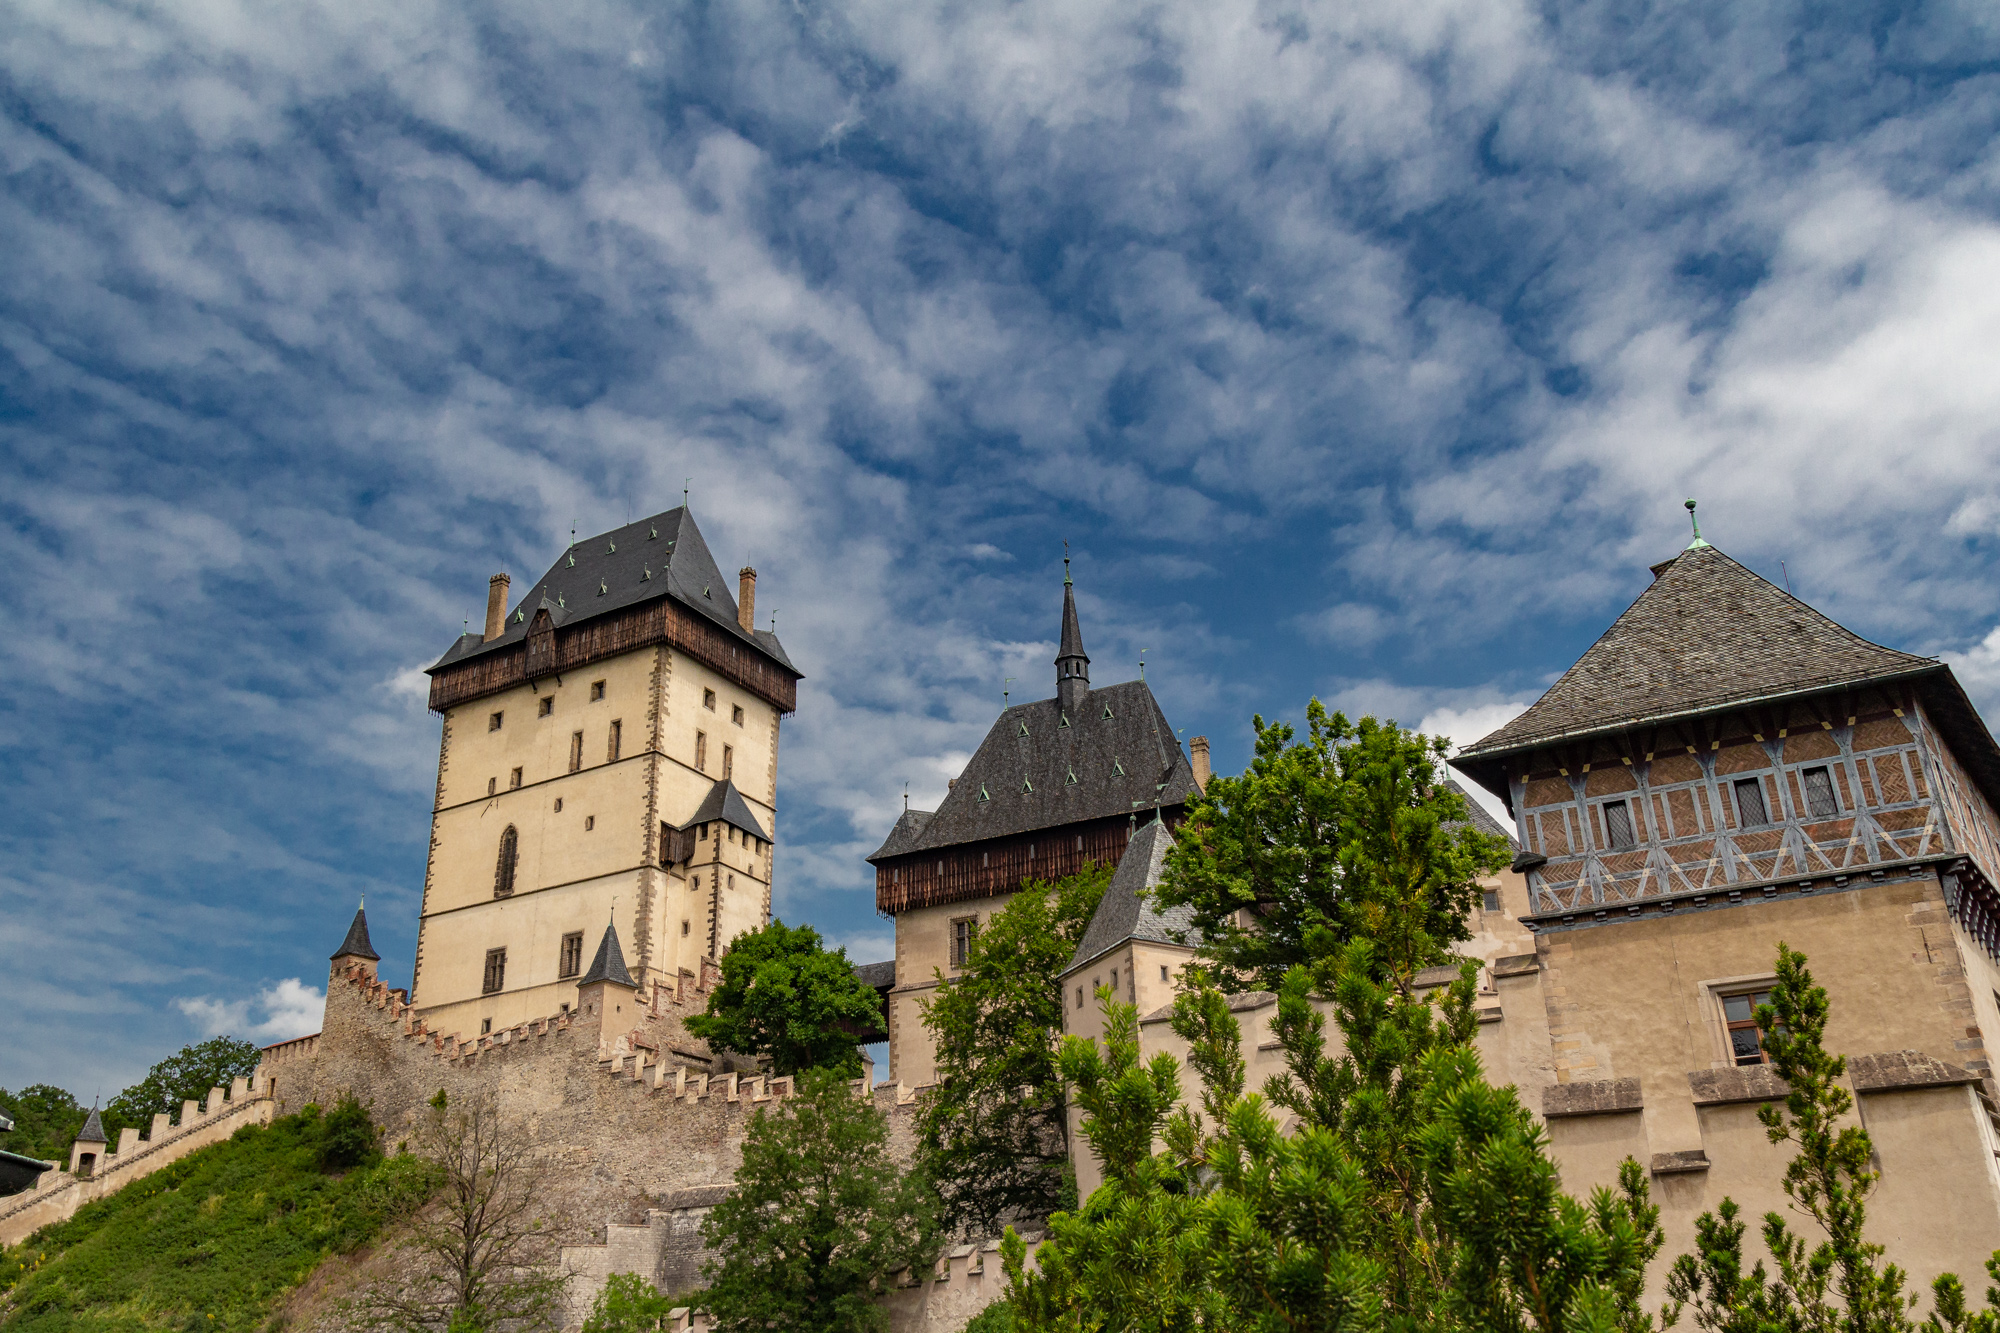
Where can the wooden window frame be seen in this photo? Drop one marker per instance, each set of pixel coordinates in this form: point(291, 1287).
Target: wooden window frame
point(1743, 820)
point(1815, 807)
point(1616, 838)
point(508, 861)
point(1718, 996)
point(495, 979)
point(964, 929)
point(569, 962)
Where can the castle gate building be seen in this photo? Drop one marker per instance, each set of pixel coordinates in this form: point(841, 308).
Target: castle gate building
point(609, 755)
point(1056, 784)
point(1724, 769)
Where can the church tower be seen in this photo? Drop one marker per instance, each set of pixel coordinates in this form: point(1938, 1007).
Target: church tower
point(1056, 784)
point(609, 752)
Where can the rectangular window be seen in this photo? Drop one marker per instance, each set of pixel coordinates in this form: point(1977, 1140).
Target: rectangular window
point(571, 961)
point(1490, 899)
point(496, 971)
point(514, 780)
point(485, 1027)
point(962, 931)
point(589, 823)
point(736, 714)
point(493, 722)
point(575, 751)
point(617, 739)
point(1618, 825)
point(1750, 803)
point(596, 690)
point(1114, 979)
point(1739, 1017)
point(701, 750)
point(708, 700)
point(1163, 971)
point(548, 705)
point(1820, 800)
point(492, 786)
point(728, 760)
point(1079, 997)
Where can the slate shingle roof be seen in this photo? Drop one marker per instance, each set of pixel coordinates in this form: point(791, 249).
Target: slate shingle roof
point(1121, 763)
point(93, 1129)
point(1126, 912)
point(357, 942)
point(1480, 818)
point(609, 964)
point(625, 567)
point(1706, 634)
point(725, 803)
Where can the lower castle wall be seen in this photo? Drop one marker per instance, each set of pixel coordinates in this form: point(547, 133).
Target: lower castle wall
point(58, 1194)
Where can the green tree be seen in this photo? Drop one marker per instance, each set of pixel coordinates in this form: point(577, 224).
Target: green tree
point(1840, 1283)
point(1351, 831)
point(628, 1304)
point(786, 995)
point(46, 1119)
point(994, 1131)
point(819, 1216)
point(184, 1076)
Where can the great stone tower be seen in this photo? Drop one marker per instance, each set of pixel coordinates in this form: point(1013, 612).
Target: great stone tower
point(609, 754)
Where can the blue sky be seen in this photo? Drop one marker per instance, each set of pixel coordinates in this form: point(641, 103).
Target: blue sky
point(1364, 350)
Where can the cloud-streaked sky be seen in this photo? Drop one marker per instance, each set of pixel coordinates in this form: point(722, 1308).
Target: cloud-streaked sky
point(1362, 349)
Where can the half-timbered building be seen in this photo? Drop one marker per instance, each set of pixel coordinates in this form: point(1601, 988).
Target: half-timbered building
point(1725, 769)
point(1056, 784)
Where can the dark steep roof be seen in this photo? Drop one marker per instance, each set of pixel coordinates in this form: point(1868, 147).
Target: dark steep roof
point(609, 964)
point(356, 944)
point(989, 801)
point(1072, 633)
point(903, 837)
point(1126, 912)
point(725, 803)
point(1480, 818)
point(624, 568)
point(879, 975)
point(93, 1129)
point(1708, 633)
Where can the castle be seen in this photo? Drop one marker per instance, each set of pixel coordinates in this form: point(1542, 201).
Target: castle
point(1723, 769)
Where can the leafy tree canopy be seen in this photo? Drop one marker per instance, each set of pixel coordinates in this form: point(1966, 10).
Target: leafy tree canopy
point(820, 1213)
point(786, 995)
point(46, 1119)
point(994, 1132)
point(629, 1304)
point(1350, 831)
point(184, 1076)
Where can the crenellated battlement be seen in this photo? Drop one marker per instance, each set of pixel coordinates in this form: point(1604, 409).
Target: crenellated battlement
point(58, 1194)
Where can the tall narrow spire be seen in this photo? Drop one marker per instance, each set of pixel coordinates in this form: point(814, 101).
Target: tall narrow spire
point(357, 945)
point(1072, 663)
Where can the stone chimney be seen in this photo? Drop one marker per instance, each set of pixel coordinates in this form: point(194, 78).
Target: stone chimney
point(1198, 756)
point(746, 599)
point(496, 606)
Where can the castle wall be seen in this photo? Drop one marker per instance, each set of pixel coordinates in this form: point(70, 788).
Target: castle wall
point(923, 949)
point(58, 1194)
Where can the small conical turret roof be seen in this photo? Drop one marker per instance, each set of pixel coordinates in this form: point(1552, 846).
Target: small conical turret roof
point(93, 1129)
point(1127, 911)
point(609, 965)
point(356, 944)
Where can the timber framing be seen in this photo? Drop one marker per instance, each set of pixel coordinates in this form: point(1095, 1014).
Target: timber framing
point(571, 648)
point(994, 866)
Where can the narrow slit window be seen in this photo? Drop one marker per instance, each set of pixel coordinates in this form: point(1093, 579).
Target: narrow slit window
point(510, 856)
point(728, 760)
point(1618, 825)
point(1820, 800)
point(1750, 810)
point(617, 739)
point(571, 961)
point(496, 972)
point(514, 780)
point(1163, 971)
point(962, 931)
point(575, 751)
point(589, 823)
point(701, 750)
point(492, 786)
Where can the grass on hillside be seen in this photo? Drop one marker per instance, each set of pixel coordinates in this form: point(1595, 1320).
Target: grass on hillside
point(215, 1240)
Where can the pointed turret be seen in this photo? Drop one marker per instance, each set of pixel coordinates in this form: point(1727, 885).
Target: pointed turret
point(357, 945)
point(86, 1153)
point(93, 1128)
point(1072, 663)
point(609, 964)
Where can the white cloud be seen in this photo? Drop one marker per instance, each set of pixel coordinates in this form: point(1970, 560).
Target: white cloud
point(289, 1009)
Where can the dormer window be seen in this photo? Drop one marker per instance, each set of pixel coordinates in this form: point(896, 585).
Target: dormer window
point(1070, 781)
point(1024, 728)
point(982, 793)
point(1117, 769)
point(1107, 714)
point(1063, 722)
point(1026, 786)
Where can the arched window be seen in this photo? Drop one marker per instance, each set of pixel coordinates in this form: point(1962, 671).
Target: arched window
point(510, 856)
